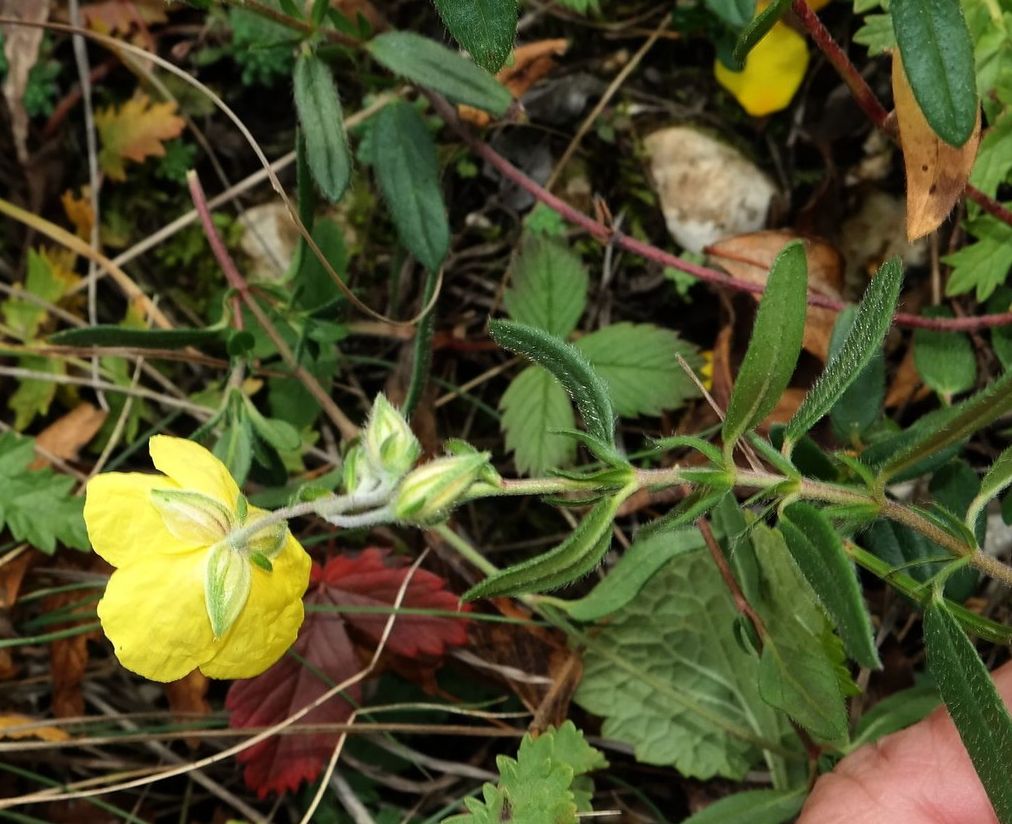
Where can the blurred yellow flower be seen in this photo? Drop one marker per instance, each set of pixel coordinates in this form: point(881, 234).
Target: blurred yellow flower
point(197, 584)
point(773, 69)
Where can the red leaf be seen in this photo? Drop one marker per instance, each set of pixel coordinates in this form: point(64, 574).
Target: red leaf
point(369, 579)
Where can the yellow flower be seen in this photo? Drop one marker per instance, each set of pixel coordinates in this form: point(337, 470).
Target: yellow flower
point(772, 74)
point(197, 583)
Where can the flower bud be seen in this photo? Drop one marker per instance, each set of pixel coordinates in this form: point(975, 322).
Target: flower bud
point(357, 472)
point(428, 491)
point(389, 443)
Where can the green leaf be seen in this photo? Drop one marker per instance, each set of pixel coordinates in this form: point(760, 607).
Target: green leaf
point(1001, 336)
point(41, 280)
point(538, 785)
point(996, 481)
point(569, 367)
point(863, 342)
point(639, 363)
point(752, 807)
point(234, 447)
point(427, 63)
point(974, 704)
point(818, 552)
point(775, 345)
point(669, 677)
point(637, 566)
point(535, 408)
point(756, 30)
point(800, 656)
point(313, 285)
point(876, 34)
point(407, 171)
point(894, 713)
point(485, 28)
point(278, 433)
point(38, 506)
point(548, 286)
point(34, 395)
point(582, 550)
point(945, 360)
point(953, 425)
point(113, 335)
point(860, 405)
point(734, 13)
point(938, 58)
point(322, 123)
point(984, 265)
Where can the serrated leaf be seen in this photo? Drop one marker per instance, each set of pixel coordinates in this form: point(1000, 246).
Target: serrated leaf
point(538, 784)
point(818, 552)
point(637, 566)
point(38, 506)
point(752, 807)
point(485, 28)
point(797, 669)
point(774, 347)
point(536, 407)
point(639, 363)
point(548, 286)
point(938, 55)
point(322, 121)
point(135, 131)
point(427, 63)
point(945, 360)
point(669, 678)
point(976, 708)
point(950, 426)
point(569, 366)
point(863, 342)
point(983, 265)
point(407, 171)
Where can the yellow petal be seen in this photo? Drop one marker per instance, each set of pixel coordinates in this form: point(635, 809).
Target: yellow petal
point(153, 612)
point(193, 468)
point(123, 524)
point(772, 74)
point(269, 624)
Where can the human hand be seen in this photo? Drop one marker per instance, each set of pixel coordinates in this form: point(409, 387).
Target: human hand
point(921, 775)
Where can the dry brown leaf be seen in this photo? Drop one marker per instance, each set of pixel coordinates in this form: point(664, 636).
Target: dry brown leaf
point(12, 574)
point(188, 697)
point(749, 257)
point(21, 48)
point(531, 62)
point(135, 131)
point(68, 657)
point(121, 16)
point(64, 437)
point(9, 728)
point(937, 173)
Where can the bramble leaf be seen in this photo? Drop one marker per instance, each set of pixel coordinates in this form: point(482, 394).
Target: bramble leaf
point(535, 408)
point(135, 131)
point(485, 28)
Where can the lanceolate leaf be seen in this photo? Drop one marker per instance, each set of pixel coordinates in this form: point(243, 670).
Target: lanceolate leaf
point(953, 425)
point(752, 807)
point(775, 345)
point(322, 124)
point(860, 405)
point(938, 56)
point(757, 30)
point(568, 366)
point(974, 704)
point(573, 558)
point(485, 28)
point(111, 335)
point(996, 481)
point(874, 315)
point(818, 552)
point(427, 63)
point(404, 160)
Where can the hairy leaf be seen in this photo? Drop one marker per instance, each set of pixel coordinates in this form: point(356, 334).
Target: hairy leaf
point(322, 122)
point(863, 342)
point(976, 708)
point(485, 28)
point(817, 550)
point(325, 654)
point(996, 481)
point(752, 807)
point(548, 286)
point(938, 56)
point(775, 345)
point(860, 404)
point(407, 171)
point(569, 367)
point(639, 363)
point(427, 63)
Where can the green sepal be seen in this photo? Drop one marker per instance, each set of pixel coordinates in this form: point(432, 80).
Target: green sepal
point(191, 516)
point(227, 584)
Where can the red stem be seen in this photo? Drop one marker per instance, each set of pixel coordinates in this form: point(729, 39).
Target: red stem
point(606, 235)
